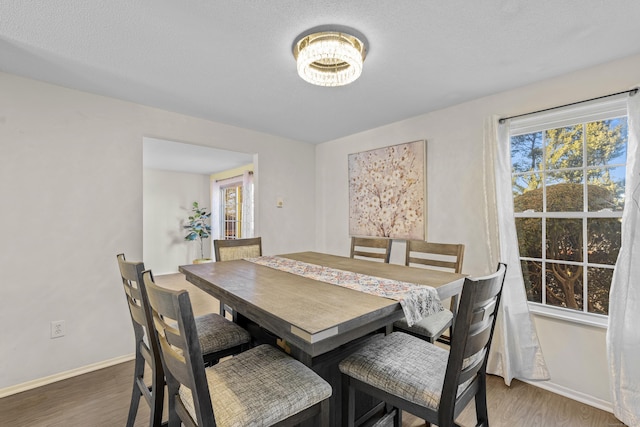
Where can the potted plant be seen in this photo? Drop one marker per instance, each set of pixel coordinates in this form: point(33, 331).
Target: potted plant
point(199, 229)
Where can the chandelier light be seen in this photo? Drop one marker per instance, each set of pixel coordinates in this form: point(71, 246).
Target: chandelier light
point(329, 58)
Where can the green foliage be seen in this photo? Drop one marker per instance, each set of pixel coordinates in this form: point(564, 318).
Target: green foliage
point(564, 242)
point(559, 159)
point(198, 227)
point(564, 149)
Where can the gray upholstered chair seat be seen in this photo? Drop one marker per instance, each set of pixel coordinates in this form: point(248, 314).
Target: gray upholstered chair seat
point(402, 365)
point(279, 387)
point(216, 333)
point(431, 326)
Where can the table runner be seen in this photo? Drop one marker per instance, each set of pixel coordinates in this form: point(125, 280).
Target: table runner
point(417, 301)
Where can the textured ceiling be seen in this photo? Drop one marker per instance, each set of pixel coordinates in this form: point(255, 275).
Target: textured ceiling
point(231, 61)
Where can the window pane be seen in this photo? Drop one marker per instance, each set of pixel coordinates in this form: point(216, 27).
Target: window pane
point(529, 231)
point(527, 193)
point(564, 285)
point(607, 142)
point(564, 147)
point(564, 196)
point(526, 152)
point(598, 292)
point(532, 275)
point(605, 188)
point(564, 239)
point(604, 236)
point(561, 179)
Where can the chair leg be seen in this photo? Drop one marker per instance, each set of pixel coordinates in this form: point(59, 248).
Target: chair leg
point(133, 407)
point(157, 397)
point(174, 419)
point(481, 402)
point(324, 416)
point(397, 419)
point(138, 372)
point(348, 402)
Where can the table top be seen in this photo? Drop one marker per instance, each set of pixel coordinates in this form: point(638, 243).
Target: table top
point(312, 315)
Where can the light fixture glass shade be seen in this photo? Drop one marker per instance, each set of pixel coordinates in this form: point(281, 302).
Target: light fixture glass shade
point(329, 58)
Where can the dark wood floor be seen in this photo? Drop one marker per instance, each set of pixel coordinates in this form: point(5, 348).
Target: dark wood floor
point(101, 398)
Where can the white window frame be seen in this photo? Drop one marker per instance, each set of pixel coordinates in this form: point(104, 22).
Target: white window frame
point(614, 107)
point(231, 183)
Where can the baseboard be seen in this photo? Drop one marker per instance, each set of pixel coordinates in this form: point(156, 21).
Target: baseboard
point(29, 385)
point(572, 394)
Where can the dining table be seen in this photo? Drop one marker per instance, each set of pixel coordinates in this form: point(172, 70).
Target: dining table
point(316, 322)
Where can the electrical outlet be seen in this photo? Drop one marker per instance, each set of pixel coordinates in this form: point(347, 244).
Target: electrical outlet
point(57, 328)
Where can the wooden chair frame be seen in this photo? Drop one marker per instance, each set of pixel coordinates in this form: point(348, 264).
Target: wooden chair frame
point(147, 351)
point(235, 243)
point(428, 248)
point(443, 256)
point(374, 243)
point(474, 332)
point(179, 351)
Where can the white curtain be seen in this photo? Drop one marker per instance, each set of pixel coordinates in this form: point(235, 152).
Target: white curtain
point(216, 210)
point(247, 204)
point(623, 334)
point(515, 350)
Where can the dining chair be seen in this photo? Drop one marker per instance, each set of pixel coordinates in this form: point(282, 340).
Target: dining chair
point(219, 338)
point(372, 248)
point(262, 386)
point(228, 250)
point(435, 384)
point(442, 256)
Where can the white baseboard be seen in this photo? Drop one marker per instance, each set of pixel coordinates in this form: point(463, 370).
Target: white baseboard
point(572, 394)
point(29, 385)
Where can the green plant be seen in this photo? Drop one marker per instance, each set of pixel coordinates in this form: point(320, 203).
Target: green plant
point(198, 227)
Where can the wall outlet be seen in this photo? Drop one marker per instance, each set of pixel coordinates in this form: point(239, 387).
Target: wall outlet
point(57, 328)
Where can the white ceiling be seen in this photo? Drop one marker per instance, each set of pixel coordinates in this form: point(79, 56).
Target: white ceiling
point(230, 61)
point(180, 157)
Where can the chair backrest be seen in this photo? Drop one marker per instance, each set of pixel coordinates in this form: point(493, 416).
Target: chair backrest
point(470, 342)
point(131, 273)
point(377, 248)
point(442, 255)
point(176, 332)
point(227, 250)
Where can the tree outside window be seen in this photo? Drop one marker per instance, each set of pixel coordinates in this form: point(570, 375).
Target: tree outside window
point(568, 189)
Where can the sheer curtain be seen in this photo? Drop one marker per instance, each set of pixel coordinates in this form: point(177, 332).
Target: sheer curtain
point(247, 204)
point(216, 210)
point(515, 351)
point(623, 334)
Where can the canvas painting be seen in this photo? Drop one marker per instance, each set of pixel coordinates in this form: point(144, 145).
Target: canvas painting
point(387, 192)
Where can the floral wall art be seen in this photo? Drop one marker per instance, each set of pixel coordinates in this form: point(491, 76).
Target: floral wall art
point(387, 192)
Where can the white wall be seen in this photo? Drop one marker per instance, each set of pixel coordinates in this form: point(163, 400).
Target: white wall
point(167, 201)
point(71, 193)
point(575, 354)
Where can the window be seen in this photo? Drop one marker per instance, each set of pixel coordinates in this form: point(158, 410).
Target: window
point(232, 211)
point(232, 215)
point(568, 176)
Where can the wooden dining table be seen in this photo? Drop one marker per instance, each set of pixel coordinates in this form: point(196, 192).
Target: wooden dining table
point(318, 323)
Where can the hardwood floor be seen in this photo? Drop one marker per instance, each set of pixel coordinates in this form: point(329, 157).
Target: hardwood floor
point(101, 398)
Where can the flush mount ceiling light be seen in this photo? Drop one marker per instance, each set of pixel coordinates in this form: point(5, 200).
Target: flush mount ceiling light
point(329, 58)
